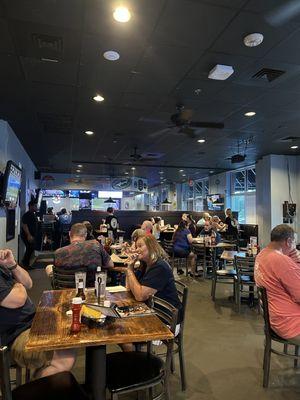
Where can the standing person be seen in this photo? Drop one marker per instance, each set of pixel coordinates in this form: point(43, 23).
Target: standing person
point(277, 270)
point(28, 232)
point(16, 316)
point(112, 222)
point(64, 217)
point(232, 224)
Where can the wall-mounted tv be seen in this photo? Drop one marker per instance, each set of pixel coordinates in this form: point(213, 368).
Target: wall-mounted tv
point(215, 202)
point(53, 193)
point(11, 184)
point(74, 193)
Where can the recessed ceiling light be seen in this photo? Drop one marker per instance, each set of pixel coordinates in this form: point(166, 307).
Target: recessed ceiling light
point(183, 174)
point(125, 173)
point(181, 170)
point(77, 176)
point(201, 140)
point(79, 166)
point(122, 14)
point(253, 40)
point(250, 114)
point(78, 170)
point(161, 172)
point(294, 147)
point(211, 172)
point(98, 98)
point(89, 132)
point(132, 168)
point(111, 55)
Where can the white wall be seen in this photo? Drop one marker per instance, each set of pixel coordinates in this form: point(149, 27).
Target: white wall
point(272, 190)
point(12, 149)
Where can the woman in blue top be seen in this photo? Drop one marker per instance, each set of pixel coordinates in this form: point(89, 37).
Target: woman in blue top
point(182, 240)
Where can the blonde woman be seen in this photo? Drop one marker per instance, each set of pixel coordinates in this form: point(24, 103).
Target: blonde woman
point(156, 277)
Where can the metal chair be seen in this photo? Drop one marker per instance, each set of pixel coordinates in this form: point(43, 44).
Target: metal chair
point(244, 267)
point(182, 291)
point(65, 278)
point(221, 276)
point(6, 365)
point(47, 229)
point(270, 337)
point(149, 369)
point(202, 260)
point(64, 234)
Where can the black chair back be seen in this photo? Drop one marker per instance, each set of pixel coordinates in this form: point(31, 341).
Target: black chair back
point(244, 267)
point(168, 246)
point(264, 307)
point(4, 373)
point(167, 313)
point(182, 291)
point(65, 278)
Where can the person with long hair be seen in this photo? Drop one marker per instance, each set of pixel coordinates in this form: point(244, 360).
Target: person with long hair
point(182, 240)
point(191, 225)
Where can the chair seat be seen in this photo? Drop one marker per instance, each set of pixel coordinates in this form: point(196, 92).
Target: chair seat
point(59, 386)
point(132, 369)
point(224, 272)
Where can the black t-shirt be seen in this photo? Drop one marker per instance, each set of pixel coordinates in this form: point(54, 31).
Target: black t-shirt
point(231, 230)
point(13, 321)
point(30, 219)
point(160, 277)
point(112, 222)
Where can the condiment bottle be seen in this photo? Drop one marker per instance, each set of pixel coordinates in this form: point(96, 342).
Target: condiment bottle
point(80, 292)
point(76, 307)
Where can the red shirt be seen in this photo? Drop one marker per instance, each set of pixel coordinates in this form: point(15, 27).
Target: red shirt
point(280, 275)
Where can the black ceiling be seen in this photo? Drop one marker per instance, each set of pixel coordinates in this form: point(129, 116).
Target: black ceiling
point(167, 49)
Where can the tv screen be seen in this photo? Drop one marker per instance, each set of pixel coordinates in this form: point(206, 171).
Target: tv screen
point(12, 184)
point(73, 193)
point(53, 193)
point(215, 202)
point(87, 195)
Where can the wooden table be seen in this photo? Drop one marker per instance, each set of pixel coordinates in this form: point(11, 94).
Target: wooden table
point(217, 246)
point(50, 330)
point(228, 255)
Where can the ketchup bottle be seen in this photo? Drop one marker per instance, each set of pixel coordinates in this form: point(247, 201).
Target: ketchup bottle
point(76, 307)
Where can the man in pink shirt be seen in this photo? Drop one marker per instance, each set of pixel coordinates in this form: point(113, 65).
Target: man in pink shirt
point(277, 270)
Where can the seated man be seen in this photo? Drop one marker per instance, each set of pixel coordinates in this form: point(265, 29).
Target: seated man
point(276, 271)
point(81, 252)
point(147, 227)
point(16, 315)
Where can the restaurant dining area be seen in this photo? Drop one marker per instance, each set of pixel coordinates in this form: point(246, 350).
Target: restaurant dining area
point(149, 196)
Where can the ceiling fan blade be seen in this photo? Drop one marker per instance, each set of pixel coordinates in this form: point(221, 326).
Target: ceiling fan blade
point(159, 133)
point(188, 131)
point(202, 124)
point(282, 14)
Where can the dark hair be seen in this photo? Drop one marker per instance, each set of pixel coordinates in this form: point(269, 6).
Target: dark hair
point(282, 232)
point(89, 226)
point(63, 211)
point(110, 209)
point(190, 217)
point(181, 227)
point(157, 219)
point(32, 203)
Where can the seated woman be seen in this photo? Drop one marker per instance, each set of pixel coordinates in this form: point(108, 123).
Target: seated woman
point(156, 277)
point(182, 240)
point(90, 230)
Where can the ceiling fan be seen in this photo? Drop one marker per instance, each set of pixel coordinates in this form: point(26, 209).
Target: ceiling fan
point(283, 13)
point(183, 123)
point(136, 156)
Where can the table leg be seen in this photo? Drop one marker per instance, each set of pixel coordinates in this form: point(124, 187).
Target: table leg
point(95, 371)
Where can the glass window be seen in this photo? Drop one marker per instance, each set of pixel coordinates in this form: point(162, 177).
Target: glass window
point(206, 187)
point(251, 179)
point(198, 189)
point(239, 183)
point(238, 204)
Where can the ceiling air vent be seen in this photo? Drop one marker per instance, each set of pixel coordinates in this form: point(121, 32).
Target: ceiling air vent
point(48, 42)
point(268, 73)
point(56, 123)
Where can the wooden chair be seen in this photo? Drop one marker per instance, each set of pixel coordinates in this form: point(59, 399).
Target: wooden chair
point(244, 267)
point(149, 369)
point(200, 250)
point(270, 337)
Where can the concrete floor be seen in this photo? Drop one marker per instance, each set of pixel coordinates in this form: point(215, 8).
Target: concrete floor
point(223, 350)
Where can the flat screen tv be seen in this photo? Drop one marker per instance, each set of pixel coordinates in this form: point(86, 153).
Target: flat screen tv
point(74, 193)
point(53, 193)
point(215, 202)
point(11, 184)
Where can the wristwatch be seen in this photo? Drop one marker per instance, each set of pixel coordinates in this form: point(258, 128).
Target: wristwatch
point(13, 267)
